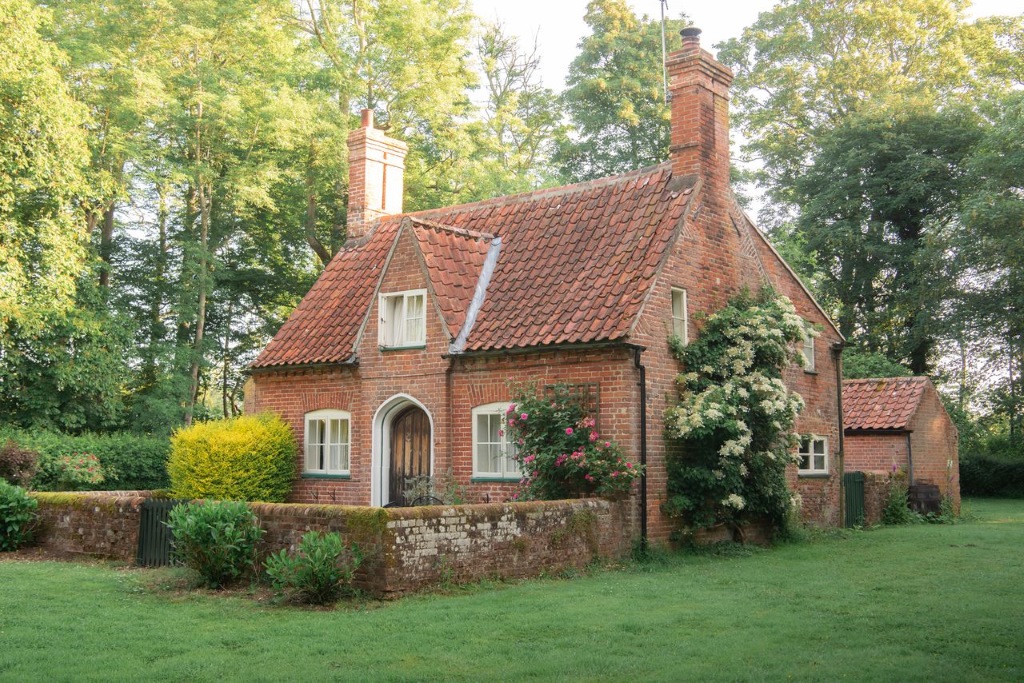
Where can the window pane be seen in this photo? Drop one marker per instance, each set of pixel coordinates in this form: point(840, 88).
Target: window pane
point(495, 458)
point(805, 462)
point(511, 467)
point(334, 461)
point(414, 331)
point(392, 320)
point(819, 462)
point(494, 428)
point(819, 446)
point(343, 463)
point(343, 432)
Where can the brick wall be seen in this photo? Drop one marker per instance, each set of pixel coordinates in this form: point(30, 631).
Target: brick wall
point(933, 444)
point(407, 549)
point(876, 491)
point(98, 524)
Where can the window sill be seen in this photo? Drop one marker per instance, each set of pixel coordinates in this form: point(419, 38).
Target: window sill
point(495, 480)
point(813, 475)
point(320, 475)
point(403, 348)
point(812, 371)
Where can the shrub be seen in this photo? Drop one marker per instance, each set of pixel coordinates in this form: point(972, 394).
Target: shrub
point(319, 572)
point(734, 420)
point(17, 516)
point(130, 461)
point(71, 472)
point(559, 450)
point(246, 458)
point(17, 465)
point(986, 475)
point(896, 509)
point(215, 539)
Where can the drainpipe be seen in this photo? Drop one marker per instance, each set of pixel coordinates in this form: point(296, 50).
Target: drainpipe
point(642, 383)
point(910, 463)
point(837, 356)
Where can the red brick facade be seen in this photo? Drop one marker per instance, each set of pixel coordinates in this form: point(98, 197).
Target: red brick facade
point(711, 250)
point(925, 447)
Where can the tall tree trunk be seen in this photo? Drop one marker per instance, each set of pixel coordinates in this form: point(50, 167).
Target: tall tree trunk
point(204, 191)
point(107, 243)
point(225, 365)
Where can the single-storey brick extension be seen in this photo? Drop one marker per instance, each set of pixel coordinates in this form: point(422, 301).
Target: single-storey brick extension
point(398, 360)
point(900, 423)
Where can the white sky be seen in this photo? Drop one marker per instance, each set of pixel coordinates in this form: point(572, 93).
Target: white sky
point(558, 24)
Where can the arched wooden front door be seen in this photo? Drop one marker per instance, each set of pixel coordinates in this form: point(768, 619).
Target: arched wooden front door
point(410, 449)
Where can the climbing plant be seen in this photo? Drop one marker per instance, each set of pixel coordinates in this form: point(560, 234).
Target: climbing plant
point(733, 425)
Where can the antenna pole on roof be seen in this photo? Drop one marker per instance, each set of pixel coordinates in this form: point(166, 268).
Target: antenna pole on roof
point(664, 69)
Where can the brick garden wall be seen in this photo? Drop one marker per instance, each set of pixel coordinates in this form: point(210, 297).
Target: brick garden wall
point(98, 524)
point(407, 549)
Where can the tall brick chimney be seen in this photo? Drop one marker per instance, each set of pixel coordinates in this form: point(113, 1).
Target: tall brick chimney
point(376, 170)
point(698, 86)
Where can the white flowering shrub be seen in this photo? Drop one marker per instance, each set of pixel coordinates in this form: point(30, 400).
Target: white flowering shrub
point(734, 421)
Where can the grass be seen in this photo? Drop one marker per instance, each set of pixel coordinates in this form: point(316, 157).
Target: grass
point(923, 602)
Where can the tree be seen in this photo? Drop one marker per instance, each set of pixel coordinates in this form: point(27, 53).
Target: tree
point(42, 158)
point(992, 249)
point(879, 207)
point(806, 65)
point(615, 96)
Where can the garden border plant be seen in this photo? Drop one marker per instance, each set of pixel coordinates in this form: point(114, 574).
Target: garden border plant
point(732, 429)
point(18, 516)
point(559, 450)
point(318, 572)
point(216, 540)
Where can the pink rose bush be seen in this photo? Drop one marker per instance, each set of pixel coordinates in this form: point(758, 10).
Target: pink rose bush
point(559, 449)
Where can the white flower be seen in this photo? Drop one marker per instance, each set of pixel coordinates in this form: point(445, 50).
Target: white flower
point(734, 501)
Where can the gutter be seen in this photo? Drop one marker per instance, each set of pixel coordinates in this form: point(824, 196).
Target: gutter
point(837, 357)
point(642, 383)
point(266, 369)
point(521, 350)
point(910, 462)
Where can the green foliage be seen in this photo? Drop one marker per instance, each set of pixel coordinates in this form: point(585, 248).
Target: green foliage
point(17, 516)
point(245, 458)
point(77, 471)
point(733, 424)
point(864, 365)
point(991, 476)
point(215, 539)
point(17, 465)
point(559, 450)
point(879, 207)
point(897, 509)
point(319, 572)
point(130, 461)
point(42, 157)
point(615, 95)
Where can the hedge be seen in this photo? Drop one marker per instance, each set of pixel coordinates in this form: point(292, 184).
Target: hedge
point(985, 475)
point(138, 462)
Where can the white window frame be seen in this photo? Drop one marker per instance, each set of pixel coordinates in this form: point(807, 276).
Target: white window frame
point(680, 325)
point(401, 338)
point(316, 451)
point(807, 349)
point(510, 470)
point(806, 449)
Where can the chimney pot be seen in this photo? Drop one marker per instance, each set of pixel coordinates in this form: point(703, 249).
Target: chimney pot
point(367, 118)
point(690, 33)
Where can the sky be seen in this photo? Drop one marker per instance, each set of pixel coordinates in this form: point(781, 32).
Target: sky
point(558, 24)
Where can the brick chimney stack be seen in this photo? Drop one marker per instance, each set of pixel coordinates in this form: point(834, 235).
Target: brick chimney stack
point(698, 86)
point(376, 170)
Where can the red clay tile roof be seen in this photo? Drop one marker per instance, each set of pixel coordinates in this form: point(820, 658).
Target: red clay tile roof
point(575, 265)
point(887, 403)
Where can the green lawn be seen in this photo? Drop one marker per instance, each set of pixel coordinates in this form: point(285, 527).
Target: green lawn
point(911, 603)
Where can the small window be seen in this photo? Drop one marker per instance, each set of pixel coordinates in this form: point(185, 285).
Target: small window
point(492, 451)
point(679, 327)
point(813, 455)
point(808, 348)
point(403, 319)
point(328, 439)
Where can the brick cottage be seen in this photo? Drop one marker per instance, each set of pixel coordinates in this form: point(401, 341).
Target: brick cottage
point(397, 362)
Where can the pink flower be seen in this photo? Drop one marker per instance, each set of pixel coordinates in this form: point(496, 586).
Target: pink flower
point(568, 431)
point(524, 416)
point(588, 477)
point(561, 459)
point(511, 408)
point(530, 458)
point(629, 465)
point(615, 474)
point(607, 444)
point(501, 432)
point(593, 436)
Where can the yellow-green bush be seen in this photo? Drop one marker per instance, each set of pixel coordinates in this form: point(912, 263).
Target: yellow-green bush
point(245, 458)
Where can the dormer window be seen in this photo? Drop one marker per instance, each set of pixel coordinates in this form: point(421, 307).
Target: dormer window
point(403, 319)
point(808, 348)
point(679, 315)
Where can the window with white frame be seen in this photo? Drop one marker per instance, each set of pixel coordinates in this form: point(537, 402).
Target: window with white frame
point(679, 315)
point(813, 454)
point(808, 348)
point(403, 319)
point(492, 451)
point(328, 440)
